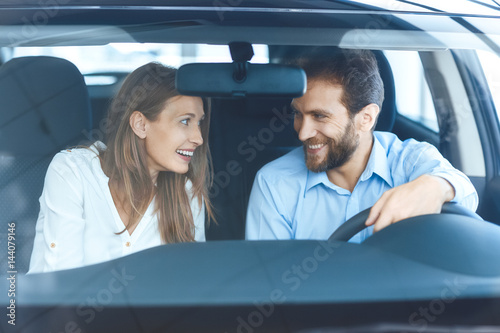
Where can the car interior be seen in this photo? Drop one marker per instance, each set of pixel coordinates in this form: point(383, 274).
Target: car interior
point(51, 108)
point(61, 63)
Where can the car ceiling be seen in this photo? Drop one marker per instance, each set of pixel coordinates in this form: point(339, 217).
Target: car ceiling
point(477, 7)
point(406, 24)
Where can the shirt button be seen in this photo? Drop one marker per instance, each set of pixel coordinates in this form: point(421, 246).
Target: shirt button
point(52, 245)
point(127, 244)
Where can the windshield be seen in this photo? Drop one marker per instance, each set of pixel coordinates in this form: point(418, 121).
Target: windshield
point(217, 207)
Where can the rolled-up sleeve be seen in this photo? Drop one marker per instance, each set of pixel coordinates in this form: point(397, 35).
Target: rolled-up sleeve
point(60, 226)
point(426, 159)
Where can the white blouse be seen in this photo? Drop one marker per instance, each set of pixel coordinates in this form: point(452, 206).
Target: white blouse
point(78, 220)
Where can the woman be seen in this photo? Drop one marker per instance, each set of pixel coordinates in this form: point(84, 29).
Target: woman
point(146, 186)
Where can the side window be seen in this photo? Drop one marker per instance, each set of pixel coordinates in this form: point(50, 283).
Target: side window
point(413, 97)
point(490, 63)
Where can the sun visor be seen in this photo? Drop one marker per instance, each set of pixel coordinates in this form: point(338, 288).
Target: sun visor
point(240, 79)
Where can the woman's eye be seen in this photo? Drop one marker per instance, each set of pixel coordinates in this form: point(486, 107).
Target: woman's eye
point(185, 121)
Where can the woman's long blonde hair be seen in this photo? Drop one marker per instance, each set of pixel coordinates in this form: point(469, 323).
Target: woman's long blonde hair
point(124, 160)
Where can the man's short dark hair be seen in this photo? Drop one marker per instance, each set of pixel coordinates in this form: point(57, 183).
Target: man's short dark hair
point(356, 71)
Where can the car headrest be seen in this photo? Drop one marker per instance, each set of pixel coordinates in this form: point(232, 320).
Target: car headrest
point(45, 106)
point(388, 113)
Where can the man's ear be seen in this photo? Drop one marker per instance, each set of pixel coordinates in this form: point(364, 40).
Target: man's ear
point(137, 122)
point(368, 117)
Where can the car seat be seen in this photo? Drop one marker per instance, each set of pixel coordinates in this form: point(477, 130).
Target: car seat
point(45, 108)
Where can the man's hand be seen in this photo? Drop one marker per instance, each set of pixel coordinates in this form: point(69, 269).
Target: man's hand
point(424, 195)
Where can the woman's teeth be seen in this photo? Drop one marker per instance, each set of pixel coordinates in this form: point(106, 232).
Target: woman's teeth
point(185, 152)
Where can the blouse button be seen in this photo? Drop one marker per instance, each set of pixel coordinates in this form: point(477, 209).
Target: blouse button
point(127, 244)
point(52, 245)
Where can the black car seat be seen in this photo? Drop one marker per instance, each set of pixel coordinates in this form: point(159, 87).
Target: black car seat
point(245, 134)
point(45, 108)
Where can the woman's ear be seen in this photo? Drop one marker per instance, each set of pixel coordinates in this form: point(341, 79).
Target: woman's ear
point(138, 124)
point(368, 117)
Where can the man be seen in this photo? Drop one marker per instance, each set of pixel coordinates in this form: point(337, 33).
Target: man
point(344, 166)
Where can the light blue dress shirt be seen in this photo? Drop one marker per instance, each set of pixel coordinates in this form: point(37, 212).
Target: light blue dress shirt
point(288, 201)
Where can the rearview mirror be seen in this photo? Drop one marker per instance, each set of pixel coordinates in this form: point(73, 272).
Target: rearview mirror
point(240, 80)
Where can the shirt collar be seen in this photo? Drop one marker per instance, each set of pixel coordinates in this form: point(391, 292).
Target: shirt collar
point(377, 163)
point(316, 178)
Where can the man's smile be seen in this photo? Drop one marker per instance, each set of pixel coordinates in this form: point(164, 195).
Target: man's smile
point(314, 149)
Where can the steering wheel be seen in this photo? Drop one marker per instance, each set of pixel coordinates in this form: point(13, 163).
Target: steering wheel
point(357, 223)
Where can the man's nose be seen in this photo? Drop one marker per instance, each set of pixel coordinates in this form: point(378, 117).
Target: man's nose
point(305, 130)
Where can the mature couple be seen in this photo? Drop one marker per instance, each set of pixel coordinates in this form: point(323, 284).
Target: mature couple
point(148, 185)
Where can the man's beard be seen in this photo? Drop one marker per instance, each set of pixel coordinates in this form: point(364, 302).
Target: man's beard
point(339, 151)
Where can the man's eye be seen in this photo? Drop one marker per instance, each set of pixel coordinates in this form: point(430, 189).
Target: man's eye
point(296, 114)
point(318, 116)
